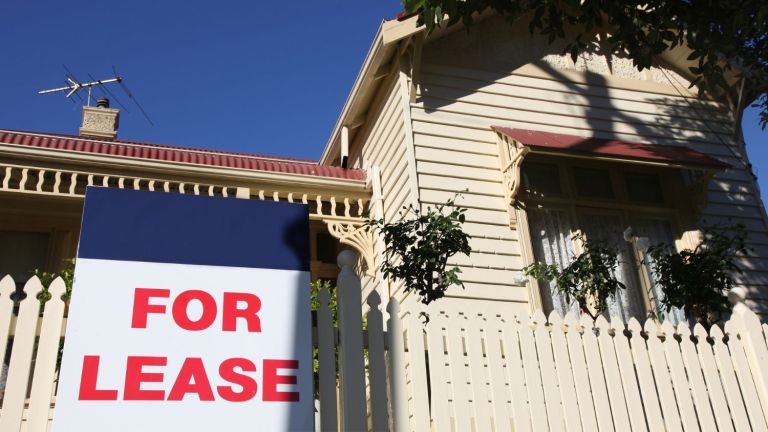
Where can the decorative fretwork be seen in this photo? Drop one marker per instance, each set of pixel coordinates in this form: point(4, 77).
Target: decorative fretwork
point(64, 183)
point(511, 154)
point(355, 234)
point(342, 212)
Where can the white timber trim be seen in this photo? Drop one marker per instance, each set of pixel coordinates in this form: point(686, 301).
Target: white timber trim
point(526, 253)
point(377, 209)
point(410, 146)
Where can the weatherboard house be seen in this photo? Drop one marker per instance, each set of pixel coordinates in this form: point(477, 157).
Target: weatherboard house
point(539, 147)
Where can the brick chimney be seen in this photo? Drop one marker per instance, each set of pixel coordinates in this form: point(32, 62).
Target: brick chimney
point(101, 120)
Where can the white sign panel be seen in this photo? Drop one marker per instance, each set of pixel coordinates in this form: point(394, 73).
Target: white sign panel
point(164, 335)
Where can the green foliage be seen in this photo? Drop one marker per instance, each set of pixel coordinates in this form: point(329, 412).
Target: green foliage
point(419, 246)
point(315, 288)
point(46, 278)
point(590, 277)
point(724, 36)
point(698, 280)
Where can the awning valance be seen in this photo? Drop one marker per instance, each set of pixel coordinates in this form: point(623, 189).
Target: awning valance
point(599, 148)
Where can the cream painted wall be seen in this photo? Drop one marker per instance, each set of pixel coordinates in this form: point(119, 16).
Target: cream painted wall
point(495, 75)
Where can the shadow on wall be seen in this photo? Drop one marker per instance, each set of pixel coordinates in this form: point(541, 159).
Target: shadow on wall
point(494, 51)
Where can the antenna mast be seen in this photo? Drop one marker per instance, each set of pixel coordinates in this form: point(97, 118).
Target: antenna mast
point(73, 86)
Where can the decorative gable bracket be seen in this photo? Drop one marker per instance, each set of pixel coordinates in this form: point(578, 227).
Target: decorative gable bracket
point(354, 233)
point(511, 155)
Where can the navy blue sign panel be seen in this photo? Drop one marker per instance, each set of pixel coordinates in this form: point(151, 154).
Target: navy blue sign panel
point(131, 225)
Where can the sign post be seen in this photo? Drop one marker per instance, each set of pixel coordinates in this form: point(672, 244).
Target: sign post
point(188, 313)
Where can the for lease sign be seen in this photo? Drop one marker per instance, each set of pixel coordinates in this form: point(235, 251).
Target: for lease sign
point(188, 313)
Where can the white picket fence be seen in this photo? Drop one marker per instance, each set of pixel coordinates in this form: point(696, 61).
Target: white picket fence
point(492, 373)
point(468, 372)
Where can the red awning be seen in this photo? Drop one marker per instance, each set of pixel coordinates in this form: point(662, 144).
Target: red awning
point(572, 145)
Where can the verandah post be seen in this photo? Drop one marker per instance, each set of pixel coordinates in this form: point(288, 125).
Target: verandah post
point(351, 365)
point(747, 324)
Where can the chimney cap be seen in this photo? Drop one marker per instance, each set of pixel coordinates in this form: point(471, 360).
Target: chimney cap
point(102, 102)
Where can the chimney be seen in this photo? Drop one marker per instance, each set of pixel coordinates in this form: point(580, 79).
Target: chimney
point(101, 120)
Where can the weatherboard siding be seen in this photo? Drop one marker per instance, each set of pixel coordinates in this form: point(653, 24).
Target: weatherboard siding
point(459, 99)
point(383, 142)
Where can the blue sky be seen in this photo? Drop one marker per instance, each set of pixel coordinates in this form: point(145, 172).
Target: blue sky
point(261, 77)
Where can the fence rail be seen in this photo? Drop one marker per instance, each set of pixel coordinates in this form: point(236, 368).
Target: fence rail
point(466, 371)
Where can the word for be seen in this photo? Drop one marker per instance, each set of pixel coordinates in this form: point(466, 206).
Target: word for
point(234, 306)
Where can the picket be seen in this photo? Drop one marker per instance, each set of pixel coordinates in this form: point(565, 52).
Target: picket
point(580, 375)
point(663, 380)
point(693, 369)
point(642, 362)
point(612, 375)
point(351, 366)
point(454, 330)
point(45, 362)
point(628, 381)
point(513, 356)
point(548, 374)
point(499, 398)
point(596, 377)
point(679, 379)
point(727, 375)
point(438, 373)
point(536, 397)
point(745, 380)
point(478, 374)
point(564, 373)
point(377, 368)
point(21, 358)
point(749, 330)
point(712, 379)
point(418, 374)
point(327, 363)
point(397, 383)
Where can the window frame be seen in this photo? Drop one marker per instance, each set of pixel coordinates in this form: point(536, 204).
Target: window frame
point(621, 205)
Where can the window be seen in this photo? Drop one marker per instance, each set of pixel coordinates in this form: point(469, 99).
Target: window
point(593, 183)
point(643, 188)
point(541, 178)
point(600, 201)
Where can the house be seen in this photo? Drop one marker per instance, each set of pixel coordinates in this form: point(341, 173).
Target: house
point(539, 147)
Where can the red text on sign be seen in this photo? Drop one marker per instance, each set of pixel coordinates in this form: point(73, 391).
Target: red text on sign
point(193, 380)
point(235, 306)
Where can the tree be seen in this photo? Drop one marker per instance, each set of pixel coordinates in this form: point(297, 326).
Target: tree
point(419, 246)
point(697, 281)
point(590, 278)
point(726, 38)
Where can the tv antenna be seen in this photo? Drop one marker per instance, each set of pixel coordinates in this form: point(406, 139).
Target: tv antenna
point(73, 86)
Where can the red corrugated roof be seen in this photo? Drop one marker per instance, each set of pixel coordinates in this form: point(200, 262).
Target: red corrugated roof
point(609, 147)
point(186, 155)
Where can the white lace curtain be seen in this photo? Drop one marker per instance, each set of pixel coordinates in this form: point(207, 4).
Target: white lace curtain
point(551, 238)
point(552, 244)
point(657, 231)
